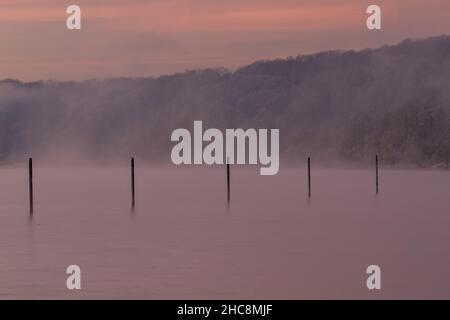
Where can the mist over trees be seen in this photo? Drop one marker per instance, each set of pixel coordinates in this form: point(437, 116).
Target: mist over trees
point(335, 106)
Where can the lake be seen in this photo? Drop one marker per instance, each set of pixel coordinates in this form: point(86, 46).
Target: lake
point(184, 242)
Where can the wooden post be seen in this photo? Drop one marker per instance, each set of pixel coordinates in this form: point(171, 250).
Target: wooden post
point(133, 194)
point(376, 174)
point(228, 182)
point(309, 177)
point(30, 183)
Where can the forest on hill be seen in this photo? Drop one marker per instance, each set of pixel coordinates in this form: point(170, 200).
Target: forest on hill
point(335, 106)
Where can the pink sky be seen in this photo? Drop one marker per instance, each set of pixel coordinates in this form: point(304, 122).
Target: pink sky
point(153, 37)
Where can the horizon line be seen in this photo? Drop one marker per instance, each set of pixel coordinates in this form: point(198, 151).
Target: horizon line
point(225, 69)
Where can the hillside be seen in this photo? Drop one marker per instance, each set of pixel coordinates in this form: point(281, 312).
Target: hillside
point(336, 106)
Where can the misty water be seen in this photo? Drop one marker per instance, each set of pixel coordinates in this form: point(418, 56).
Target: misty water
point(184, 242)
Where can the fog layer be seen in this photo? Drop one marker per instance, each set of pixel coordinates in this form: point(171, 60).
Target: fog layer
point(334, 106)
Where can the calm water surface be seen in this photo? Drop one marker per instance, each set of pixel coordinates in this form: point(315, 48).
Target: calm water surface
point(184, 242)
